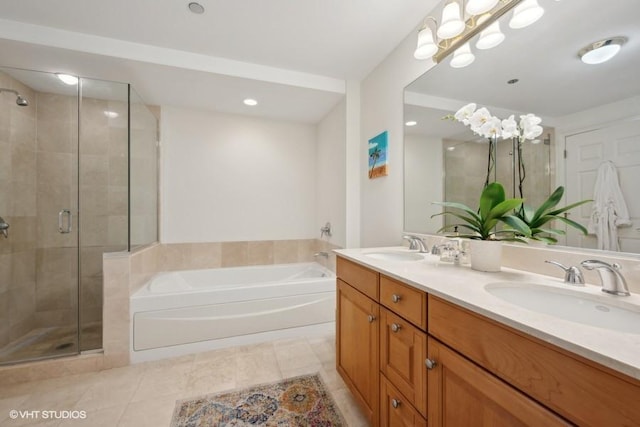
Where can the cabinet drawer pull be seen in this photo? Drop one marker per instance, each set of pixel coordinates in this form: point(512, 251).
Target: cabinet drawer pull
point(371, 318)
point(395, 327)
point(395, 298)
point(430, 363)
point(395, 403)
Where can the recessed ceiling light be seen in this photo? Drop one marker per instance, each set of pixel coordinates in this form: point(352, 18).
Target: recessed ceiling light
point(601, 51)
point(196, 8)
point(411, 123)
point(250, 102)
point(68, 79)
point(111, 114)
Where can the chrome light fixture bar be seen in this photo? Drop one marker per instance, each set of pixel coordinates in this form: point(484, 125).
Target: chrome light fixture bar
point(454, 37)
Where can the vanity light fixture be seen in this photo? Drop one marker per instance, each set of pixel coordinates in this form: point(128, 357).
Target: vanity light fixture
point(462, 56)
point(250, 102)
point(411, 123)
point(602, 50)
point(451, 148)
point(67, 79)
point(427, 47)
point(462, 20)
point(491, 37)
point(110, 114)
point(525, 14)
point(478, 7)
point(451, 24)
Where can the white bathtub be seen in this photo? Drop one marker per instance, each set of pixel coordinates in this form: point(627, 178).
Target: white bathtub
point(196, 310)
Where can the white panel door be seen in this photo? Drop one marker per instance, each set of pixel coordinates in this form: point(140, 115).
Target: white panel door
point(585, 152)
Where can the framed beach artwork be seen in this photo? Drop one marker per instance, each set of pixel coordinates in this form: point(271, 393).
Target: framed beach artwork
point(378, 148)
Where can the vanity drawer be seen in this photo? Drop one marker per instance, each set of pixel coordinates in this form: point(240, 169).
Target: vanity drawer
point(394, 410)
point(403, 350)
point(361, 278)
point(404, 300)
point(584, 392)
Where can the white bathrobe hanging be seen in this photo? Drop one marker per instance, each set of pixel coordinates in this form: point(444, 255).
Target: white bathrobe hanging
point(609, 208)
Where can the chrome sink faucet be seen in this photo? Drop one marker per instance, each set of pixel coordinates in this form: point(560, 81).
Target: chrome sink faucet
point(572, 275)
point(613, 281)
point(416, 242)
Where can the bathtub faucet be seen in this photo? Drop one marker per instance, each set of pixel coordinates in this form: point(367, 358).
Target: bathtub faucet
point(322, 254)
point(326, 230)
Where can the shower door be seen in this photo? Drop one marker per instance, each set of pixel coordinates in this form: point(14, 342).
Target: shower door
point(39, 210)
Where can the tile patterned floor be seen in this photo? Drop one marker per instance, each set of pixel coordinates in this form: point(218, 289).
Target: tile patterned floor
point(145, 394)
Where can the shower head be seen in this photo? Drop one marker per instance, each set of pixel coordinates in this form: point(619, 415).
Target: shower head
point(22, 102)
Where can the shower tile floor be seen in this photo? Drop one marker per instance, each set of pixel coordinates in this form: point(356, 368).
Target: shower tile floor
point(46, 342)
point(145, 394)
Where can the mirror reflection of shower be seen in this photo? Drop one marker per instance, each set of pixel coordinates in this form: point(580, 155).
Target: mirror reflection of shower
point(22, 102)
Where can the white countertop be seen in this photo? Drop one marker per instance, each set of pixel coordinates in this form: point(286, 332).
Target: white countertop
point(465, 287)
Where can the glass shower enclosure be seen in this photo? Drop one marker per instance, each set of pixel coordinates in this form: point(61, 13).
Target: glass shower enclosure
point(66, 176)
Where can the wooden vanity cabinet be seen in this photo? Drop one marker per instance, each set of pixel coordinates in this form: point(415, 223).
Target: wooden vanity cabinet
point(394, 409)
point(581, 391)
point(357, 336)
point(462, 394)
point(412, 359)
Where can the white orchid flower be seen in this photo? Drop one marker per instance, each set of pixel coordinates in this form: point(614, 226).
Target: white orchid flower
point(529, 125)
point(532, 132)
point(492, 128)
point(463, 114)
point(479, 118)
point(510, 128)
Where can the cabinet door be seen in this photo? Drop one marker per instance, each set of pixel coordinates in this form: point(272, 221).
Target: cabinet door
point(394, 410)
point(463, 394)
point(357, 347)
point(403, 349)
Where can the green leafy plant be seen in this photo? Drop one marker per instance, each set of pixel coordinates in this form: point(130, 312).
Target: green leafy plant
point(536, 219)
point(494, 208)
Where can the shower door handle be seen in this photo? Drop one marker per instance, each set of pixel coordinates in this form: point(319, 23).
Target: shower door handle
point(62, 227)
point(4, 228)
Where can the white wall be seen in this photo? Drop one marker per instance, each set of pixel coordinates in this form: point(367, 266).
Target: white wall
point(382, 109)
point(424, 165)
point(331, 174)
point(233, 178)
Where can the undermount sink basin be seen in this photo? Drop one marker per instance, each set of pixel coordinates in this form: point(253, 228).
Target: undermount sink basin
point(395, 256)
point(570, 305)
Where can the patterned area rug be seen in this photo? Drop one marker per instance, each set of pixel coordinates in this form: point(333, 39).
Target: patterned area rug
point(300, 401)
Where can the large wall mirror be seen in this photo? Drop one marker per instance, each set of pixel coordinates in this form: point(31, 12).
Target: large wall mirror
point(590, 114)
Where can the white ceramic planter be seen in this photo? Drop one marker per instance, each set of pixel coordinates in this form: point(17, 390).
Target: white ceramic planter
point(486, 255)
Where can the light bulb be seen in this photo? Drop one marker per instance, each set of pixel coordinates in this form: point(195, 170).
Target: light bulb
point(451, 24)
point(525, 14)
point(426, 46)
point(462, 56)
point(477, 7)
point(490, 37)
point(68, 79)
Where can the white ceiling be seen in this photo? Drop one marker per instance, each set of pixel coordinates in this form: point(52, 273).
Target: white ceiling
point(294, 56)
point(553, 81)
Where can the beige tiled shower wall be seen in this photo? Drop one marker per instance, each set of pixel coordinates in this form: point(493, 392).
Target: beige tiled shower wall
point(466, 169)
point(18, 180)
point(103, 204)
point(57, 254)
